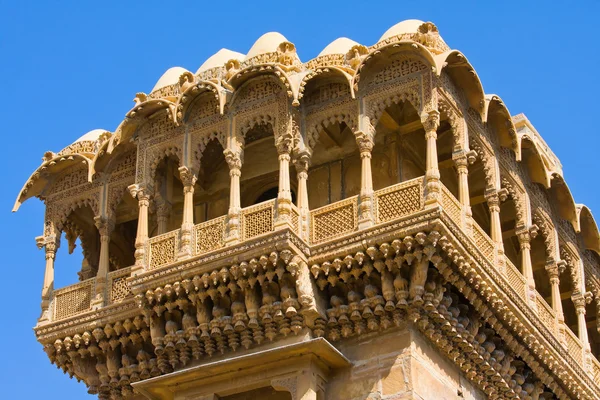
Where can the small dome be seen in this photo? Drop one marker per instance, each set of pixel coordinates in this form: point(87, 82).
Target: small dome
point(219, 59)
point(338, 46)
point(170, 77)
point(91, 136)
point(267, 43)
point(408, 26)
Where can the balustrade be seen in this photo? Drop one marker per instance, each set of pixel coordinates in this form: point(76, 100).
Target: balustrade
point(74, 299)
point(325, 223)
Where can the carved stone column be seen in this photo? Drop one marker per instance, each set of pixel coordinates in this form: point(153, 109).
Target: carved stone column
point(234, 160)
point(525, 243)
point(51, 245)
point(553, 275)
point(188, 179)
point(462, 167)
point(493, 200)
point(143, 196)
point(365, 145)
point(284, 196)
point(105, 227)
point(579, 300)
point(432, 173)
point(302, 163)
point(163, 211)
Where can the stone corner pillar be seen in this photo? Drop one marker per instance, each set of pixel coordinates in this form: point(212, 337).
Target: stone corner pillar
point(284, 196)
point(105, 227)
point(141, 239)
point(580, 300)
point(494, 198)
point(524, 237)
point(366, 217)
point(302, 163)
point(50, 244)
point(234, 160)
point(462, 159)
point(431, 122)
point(188, 178)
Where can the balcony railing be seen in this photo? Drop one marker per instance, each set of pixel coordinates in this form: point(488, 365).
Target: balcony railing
point(574, 346)
point(326, 223)
point(74, 299)
point(118, 286)
point(258, 219)
point(210, 235)
point(162, 249)
point(516, 279)
point(546, 313)
point(399, 200)
point(334, 220)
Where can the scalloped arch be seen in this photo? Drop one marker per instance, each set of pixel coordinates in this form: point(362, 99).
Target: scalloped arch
point(243, 76)
point(535, 163)
point(464, 75)
point(323, 72)
point(589, 228)
point(496, 114)
point(408, 46)
point(187, 98)
point(44, 175)
point(566, 203)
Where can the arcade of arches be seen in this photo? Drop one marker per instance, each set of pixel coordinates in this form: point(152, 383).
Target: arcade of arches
point(367, 224)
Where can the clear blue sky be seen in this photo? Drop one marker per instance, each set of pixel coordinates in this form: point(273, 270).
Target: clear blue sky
point(69, 68)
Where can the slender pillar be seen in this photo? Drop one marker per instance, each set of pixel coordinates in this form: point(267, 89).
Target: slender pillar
point(525, 243)
point(284, 195)
point(187, 224)
point(432, 174)
point(163, 211)
point(302, 163)
point(234, 160)
point(51, 245)
point(553, 276)
point(105, 226)
point(143, 196)
point(462, 167)
point(493, 200)
point(579, 300)
point(365, 145)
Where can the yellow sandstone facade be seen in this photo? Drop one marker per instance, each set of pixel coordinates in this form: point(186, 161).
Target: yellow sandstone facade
point(366, 225)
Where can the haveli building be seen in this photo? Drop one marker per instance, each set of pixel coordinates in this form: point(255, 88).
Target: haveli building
point(368, 224)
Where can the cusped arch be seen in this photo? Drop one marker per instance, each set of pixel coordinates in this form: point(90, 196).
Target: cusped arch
point(535, 163)
point(45, 174)
point(193, 92)
point(203, 141)
point(567, 208)
point(546, 227)
point(498, 117)
point(324, 73)
point(463, 74)
point(384, 52)
point(156, 156)
point(456, 121)
point(243, 76)
point(589, 228)
point(62, 211)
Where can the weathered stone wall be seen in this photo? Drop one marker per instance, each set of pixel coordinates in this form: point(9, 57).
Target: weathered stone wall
point(400, 364)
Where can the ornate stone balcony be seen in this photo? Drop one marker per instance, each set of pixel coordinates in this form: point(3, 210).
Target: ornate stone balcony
point(334, 251)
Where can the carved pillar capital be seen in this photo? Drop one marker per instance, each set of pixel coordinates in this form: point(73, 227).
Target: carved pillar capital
point(105, 225)
point(365, 143)
point(188, 178)
point(234, 159)
point(431, 121)
point(524, 238)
